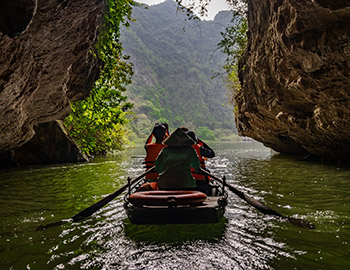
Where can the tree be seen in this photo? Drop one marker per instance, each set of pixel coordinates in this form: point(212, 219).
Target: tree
point(234, 44)
point(189, 6)
point(234, 40)
point(205, 133)
point(97, 123)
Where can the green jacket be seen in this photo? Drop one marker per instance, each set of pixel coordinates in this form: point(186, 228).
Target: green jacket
point(174, 167)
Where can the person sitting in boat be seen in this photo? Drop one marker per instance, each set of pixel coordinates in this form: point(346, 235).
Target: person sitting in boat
point(203, 151)
point(175, 161)
point(159, 132)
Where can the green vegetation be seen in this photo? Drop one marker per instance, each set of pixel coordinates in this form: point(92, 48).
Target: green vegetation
point(175, 60)
point(97, 123)
point(234, 44)
point(234, 38)
point(205, 133)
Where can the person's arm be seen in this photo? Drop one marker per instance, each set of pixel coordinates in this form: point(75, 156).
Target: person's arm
point(205, 150)
point(149, 139)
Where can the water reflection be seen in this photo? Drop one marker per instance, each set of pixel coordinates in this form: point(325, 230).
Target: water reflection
point(245, 239)
point(314, 191)
point(175, 233)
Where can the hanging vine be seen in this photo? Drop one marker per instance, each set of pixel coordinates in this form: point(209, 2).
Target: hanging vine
point(97, 123)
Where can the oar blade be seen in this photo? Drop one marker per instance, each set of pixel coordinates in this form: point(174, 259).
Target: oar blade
point(91, 209)
point(53, 224)
point(96, 206)
point(263, 208)
point(301, 223)
point(268, 211)
point(258, 205)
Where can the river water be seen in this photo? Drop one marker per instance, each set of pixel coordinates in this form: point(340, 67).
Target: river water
point(244, 239)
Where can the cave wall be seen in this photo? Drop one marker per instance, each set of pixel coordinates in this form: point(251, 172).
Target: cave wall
point(45, 62)
point(295, 95)
point(49, 145)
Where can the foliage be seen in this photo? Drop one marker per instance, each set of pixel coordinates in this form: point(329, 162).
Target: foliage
point(226, 136)
point(234, 38)
point(234, 42)
point(238, 6)
point(174, 61)
point(201, 7)
point(205, 133)
point(96, 123)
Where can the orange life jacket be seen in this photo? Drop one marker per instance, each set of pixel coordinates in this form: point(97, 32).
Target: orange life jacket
point(152, 152)
point(199, 175)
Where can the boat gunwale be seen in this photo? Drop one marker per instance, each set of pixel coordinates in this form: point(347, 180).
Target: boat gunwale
point(213, 207)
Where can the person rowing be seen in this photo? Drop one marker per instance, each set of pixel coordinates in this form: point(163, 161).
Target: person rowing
point(203, 151)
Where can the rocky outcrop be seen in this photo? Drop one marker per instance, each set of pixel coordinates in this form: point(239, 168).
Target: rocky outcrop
point(45, 62)
point(295, 95)
point(49, 145)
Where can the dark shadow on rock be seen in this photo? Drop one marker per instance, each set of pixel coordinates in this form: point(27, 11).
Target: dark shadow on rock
point(50, 144)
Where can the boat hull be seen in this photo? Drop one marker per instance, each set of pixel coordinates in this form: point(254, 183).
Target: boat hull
point(211, 211)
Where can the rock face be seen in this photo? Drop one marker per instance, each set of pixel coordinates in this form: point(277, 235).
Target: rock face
point(45, 62)
point(295, 95)
point(49, 145)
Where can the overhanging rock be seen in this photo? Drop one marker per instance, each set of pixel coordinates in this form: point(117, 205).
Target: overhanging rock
point(295, 95)
point(45, 62)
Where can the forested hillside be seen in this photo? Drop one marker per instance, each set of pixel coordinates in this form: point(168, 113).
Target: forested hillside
point(174, 61)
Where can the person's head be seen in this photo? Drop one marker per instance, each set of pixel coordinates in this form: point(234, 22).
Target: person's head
point(184, 129)
point(166, 126)
point(192, 135)
point(158, 132)
point(178, 139)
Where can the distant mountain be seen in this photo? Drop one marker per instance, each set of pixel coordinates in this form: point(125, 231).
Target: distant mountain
point(174, 59)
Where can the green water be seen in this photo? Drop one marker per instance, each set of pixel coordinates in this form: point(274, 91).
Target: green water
point(244, 239)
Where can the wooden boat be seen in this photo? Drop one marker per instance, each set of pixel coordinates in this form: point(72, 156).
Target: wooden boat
point(206, 205)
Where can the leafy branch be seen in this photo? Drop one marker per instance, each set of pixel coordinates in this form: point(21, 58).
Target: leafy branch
point(97, 123)
point(234, 38)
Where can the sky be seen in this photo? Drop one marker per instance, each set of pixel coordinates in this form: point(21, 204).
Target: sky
point(214, 7)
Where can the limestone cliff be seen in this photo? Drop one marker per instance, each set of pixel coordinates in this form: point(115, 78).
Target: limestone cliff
point(49, 145)
point(45, 62)
point(295, 95)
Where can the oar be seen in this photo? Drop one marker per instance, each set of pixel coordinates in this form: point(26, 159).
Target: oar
point(96, 206)
point(261, 207)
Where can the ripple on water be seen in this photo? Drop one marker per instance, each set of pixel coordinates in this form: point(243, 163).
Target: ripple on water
point(244, 239)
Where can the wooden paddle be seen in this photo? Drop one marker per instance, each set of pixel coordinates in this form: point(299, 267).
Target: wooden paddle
point(96, 206)
point(261, 207)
